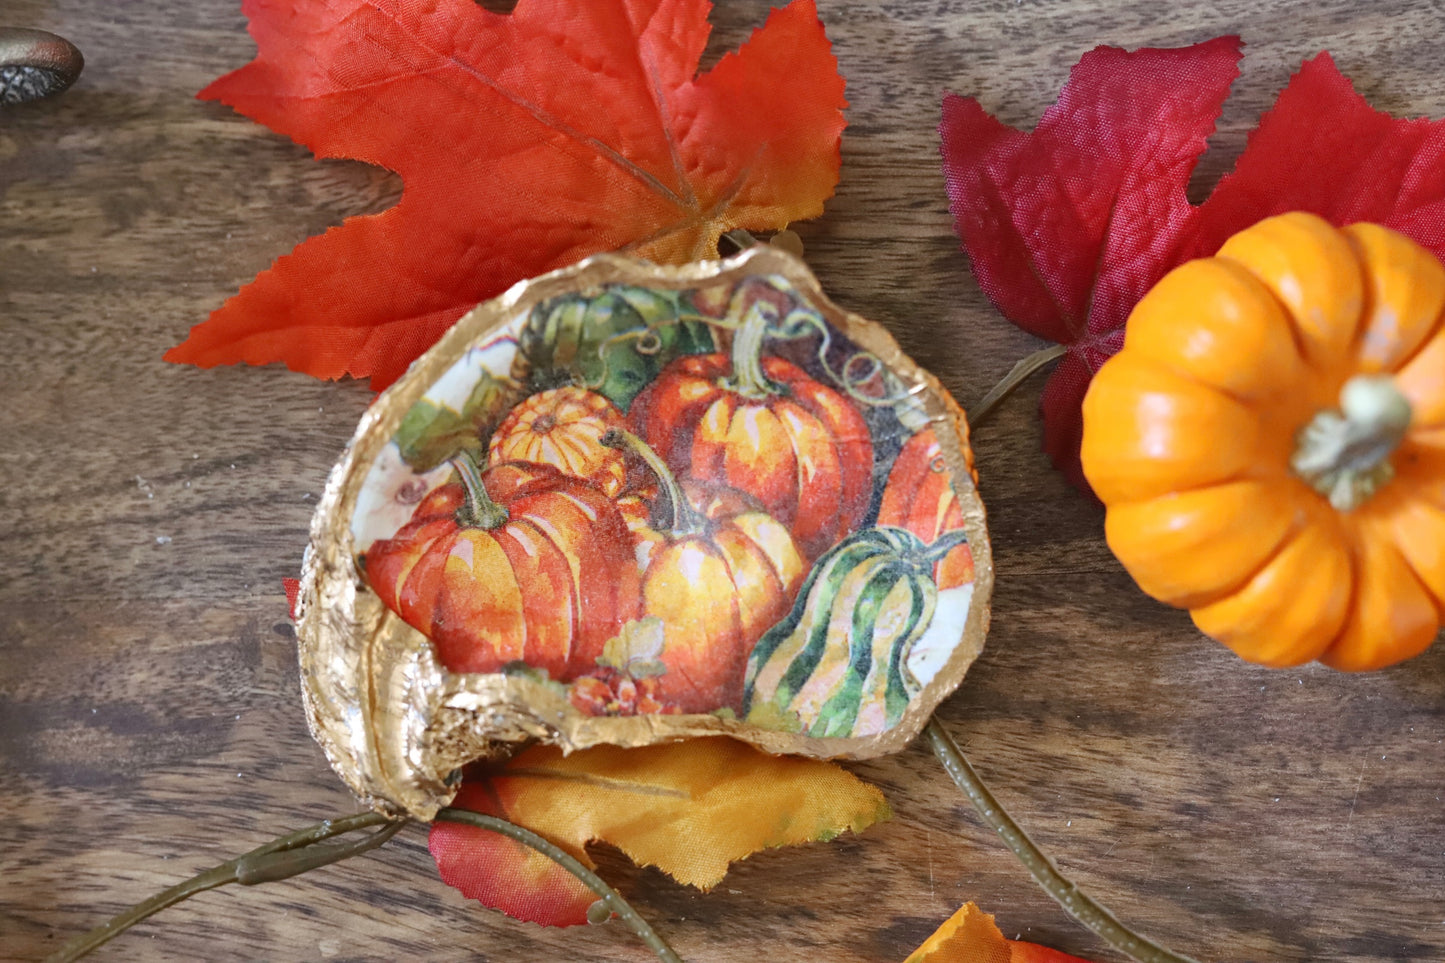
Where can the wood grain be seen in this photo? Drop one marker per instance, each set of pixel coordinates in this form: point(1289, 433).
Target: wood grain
point(150, 722)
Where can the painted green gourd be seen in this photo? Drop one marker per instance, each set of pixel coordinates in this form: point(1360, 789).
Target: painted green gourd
point(613, 342)
point(836, 666)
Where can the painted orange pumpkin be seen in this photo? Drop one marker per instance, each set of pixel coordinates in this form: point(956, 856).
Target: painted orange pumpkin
point(919, 497)
point(763, 426)
point(718, 575)
point(522, 563)
point(560, 427)
point(1270, 443)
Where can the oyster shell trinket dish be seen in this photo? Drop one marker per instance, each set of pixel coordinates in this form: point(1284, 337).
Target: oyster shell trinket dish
point(629, 504)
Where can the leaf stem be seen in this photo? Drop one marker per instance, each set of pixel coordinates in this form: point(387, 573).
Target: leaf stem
point(609, 896)
point(1075, 902)
point(258, 861)
point(1016, 376)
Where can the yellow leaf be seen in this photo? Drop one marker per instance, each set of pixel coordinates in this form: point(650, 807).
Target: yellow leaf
point(689, 808)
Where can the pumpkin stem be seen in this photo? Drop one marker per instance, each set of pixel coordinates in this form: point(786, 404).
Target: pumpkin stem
point(942, 545)
point(685, 521)
point(747, 378)
point(1345, 455)
point(479, 511)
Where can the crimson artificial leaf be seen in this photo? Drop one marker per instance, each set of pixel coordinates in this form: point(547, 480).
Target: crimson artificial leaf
point(1069, 225)
point(1323, 149)
point(525, 141)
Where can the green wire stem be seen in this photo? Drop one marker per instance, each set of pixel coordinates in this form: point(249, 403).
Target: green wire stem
point(609, 896)
point(300, 852)
point(1078, 905)
point(281, 858)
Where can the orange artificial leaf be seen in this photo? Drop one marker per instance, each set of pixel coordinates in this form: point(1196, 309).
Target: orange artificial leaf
point(970, 936)
point(525, 142)
point(689, 808)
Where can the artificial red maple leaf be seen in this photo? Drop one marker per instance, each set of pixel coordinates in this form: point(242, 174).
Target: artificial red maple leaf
point(525, 142)
point(1068, 226)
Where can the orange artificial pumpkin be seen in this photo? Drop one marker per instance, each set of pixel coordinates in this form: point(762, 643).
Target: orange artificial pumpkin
point(718, 573)
point(761, 425)
point(520, 564)
point(560, 427)
point(1270, 443)
point(919, 497)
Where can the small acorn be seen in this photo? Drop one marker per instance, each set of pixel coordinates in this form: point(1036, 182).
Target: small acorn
point(35, 64)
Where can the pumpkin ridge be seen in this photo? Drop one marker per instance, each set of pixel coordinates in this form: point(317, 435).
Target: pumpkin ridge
point(459, 609)
point(714, 547)
point(1334, 655)
point(1300, 523)
point(1406, 511)
point(818, 480)
point(417, 603)
point(732, 537)
point(1292, 326)
point(769, 471)
point(1374, 246)
point(1172, 590)
point(848, 434)
point(543, 615)
point(694, 456)
point(1429, 412)
point(1437, 329)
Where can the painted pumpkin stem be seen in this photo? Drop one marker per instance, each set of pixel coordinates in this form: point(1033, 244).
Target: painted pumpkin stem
point(747, 378)
point(685, 521)
point(941, 546)
point(479, 511)
point(1345, 455)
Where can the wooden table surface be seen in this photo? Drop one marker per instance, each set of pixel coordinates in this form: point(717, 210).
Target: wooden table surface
point(150, 718)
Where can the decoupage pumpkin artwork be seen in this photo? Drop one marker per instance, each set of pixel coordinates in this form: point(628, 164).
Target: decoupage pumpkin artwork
point(1270, 443)
point(764, 426)
point(626, 504)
